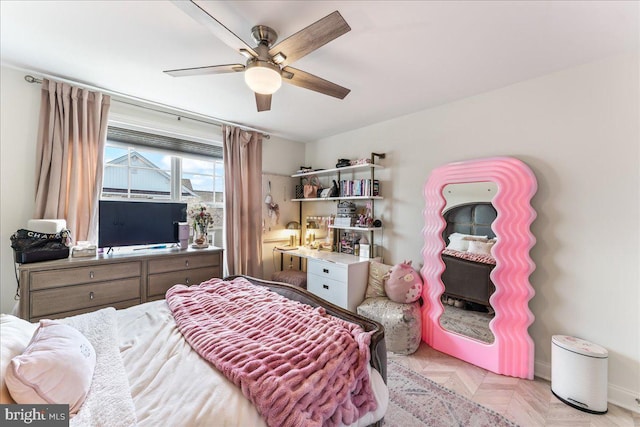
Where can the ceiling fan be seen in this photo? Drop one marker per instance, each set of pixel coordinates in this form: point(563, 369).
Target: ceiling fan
point(267, 64)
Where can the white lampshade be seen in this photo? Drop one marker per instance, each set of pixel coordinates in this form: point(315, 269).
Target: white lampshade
point(263, 77)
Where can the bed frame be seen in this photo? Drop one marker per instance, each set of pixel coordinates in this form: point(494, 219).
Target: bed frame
point(377, 346)
point(465, 279)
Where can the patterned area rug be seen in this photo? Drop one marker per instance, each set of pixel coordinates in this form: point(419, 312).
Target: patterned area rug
point(418, 401)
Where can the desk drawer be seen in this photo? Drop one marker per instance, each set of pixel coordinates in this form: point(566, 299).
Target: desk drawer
point(160, 283)
point(328, 269)
point(83, 275)
point(69, 298)
point(184, 262)
point(331, 290)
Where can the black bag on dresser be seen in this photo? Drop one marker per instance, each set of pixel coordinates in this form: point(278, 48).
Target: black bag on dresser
point(32, 246)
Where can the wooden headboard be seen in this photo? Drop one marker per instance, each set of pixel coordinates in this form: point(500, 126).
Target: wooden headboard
point(470, 218)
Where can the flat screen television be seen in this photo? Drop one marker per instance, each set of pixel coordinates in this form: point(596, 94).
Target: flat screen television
point(127, 223)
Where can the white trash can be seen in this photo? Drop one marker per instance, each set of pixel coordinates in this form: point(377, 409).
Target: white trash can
point(579, 373)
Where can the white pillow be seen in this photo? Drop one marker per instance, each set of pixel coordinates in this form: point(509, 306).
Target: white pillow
point(481, 248)
point(458, 236)
point(460, 241)
point(458, 245)
point(56, 367)
point(15, 335)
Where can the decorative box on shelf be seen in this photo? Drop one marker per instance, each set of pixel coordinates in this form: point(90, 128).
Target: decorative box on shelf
point(346, 208)
point(344, 221)
point(365, 250)
point(84, 249)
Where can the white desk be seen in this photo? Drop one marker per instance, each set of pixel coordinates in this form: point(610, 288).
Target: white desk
point(337, 257)
point(336, 277)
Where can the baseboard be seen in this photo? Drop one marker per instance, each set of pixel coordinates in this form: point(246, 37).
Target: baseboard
point(625, 398)
point(542, 370)
point(617, 395)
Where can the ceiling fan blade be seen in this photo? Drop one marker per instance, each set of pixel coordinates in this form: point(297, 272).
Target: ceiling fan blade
point(311, 38)
point(212, 69)
point(263, 102)
point(216, 27)
point(309, 81)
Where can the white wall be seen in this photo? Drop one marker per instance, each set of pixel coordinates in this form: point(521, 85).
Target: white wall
point(279, 157)
point(578, 129)
point(20, 106)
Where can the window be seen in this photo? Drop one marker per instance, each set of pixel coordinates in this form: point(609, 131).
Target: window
point(133, 173)
point(134, 170)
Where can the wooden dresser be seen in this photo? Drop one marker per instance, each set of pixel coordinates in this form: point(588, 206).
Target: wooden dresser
point(61, 288)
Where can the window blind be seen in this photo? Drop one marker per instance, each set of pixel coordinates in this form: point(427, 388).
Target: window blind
point(178, 145)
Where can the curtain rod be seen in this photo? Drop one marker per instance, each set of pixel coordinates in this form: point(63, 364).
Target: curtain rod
point(120, 97)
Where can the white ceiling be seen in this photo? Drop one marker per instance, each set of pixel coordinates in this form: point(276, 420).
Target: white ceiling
point(398, 58)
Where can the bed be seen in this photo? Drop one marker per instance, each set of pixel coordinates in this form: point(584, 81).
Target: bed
point(467, 273)
point(148, 373)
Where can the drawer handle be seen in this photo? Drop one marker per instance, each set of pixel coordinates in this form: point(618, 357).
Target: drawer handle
point(91, 295)
point(186, 263)
point(325, 270)
point(325, 286)
point(91, 275)
point(186, 280)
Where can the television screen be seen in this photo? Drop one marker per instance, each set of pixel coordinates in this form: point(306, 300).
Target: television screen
point(126, 223)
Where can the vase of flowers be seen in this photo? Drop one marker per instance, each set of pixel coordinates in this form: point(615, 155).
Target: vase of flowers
point(201, 222)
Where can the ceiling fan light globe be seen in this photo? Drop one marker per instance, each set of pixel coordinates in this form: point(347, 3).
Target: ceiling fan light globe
point(262, 79)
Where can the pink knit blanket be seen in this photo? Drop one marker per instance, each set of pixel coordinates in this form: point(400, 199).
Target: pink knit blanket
point(296, 364)
point(469, 256)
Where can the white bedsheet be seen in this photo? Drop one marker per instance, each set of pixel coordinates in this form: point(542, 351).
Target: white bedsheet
point(172, 385)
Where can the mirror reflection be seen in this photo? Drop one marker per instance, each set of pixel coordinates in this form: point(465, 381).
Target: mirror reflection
point(468, 259)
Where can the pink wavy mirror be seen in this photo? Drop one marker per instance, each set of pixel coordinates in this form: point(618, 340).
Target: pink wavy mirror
point(512, 350)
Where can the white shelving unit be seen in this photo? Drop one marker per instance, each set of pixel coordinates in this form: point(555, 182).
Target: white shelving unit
point(337, 227)
point(329, 199)
point(337, 172)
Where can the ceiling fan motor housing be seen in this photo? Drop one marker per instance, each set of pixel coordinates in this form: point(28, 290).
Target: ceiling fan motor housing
point(263, 34)
point(262, 74)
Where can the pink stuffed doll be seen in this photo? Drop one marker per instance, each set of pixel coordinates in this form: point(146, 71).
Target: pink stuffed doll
point(404, 284)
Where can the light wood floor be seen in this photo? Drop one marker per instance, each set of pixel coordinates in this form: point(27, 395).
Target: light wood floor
point(527, 403)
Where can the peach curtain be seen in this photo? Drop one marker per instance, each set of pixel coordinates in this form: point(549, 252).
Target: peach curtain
point(69, 154)
point(242, 153)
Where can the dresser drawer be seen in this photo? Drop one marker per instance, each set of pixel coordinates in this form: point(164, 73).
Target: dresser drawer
point(69, 298)
point(82, 275)
point(116, 305)
point(331, 290)
point(184, 262)
point(328, 269)
point(159, 283)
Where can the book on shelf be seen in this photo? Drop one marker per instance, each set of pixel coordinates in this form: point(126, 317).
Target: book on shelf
point(359, 187)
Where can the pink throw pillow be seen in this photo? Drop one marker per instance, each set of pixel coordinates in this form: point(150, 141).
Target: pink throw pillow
point(15, 334)
point(404, 284)
point(56, 367)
